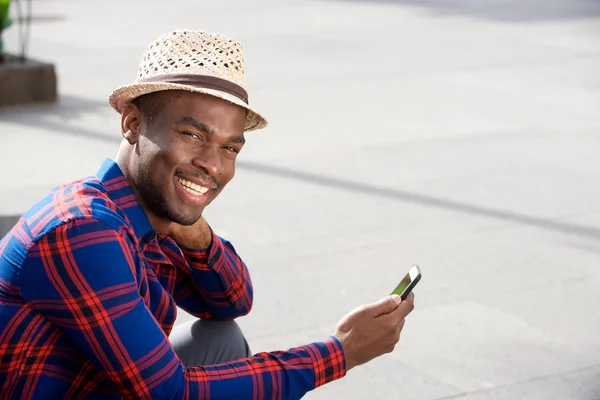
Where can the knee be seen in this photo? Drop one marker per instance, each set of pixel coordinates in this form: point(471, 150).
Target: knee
point(228, 330)
point(206, 341)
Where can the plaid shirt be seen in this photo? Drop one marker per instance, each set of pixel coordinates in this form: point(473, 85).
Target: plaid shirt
point(88, 296)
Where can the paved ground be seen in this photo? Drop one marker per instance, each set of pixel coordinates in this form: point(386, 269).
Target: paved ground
point(459, 135)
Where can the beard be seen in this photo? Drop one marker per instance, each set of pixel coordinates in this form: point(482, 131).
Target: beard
point(153, 197)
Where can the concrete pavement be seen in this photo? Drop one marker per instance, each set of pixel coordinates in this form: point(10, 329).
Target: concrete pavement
point(459, 135)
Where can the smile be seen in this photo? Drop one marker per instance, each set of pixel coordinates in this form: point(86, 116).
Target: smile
point(193, 188)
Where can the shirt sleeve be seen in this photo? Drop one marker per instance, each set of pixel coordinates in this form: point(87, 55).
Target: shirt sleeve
point(86, 279)
point(212, 283)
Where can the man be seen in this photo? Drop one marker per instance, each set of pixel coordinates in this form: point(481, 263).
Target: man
point(91, 276)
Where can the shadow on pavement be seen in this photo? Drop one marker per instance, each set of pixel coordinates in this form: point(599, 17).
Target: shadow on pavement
point(60, 117)
point(6, 222)
point(56, 118)
point(503, 10)
point(430, 201)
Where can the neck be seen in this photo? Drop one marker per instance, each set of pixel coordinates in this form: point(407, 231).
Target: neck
point(160, 225)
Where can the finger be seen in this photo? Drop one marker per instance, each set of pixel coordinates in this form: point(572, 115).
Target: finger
point(402, 310)
point(407, 305)
point(399, 327)
point(385, 305)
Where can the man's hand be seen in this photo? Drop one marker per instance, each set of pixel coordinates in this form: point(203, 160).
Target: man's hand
point(372, 330)
point(197, 236)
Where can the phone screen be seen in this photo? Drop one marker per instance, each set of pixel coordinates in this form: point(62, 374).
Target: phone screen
point(408, 283)
point(402, 285)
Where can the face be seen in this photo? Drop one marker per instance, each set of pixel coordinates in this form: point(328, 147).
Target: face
point(182, 160)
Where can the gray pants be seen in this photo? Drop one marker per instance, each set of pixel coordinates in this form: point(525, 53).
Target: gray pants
point(206, 342)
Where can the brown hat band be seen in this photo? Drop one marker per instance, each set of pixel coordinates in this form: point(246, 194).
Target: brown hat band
point(201, 82)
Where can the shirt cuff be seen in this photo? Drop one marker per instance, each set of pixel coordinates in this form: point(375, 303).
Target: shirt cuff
point(329, 362)
point(199, 258)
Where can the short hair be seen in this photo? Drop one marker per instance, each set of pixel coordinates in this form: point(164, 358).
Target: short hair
point(152, 104)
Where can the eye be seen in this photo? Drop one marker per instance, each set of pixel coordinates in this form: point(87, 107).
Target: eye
point(231, 148)
point(193, 135)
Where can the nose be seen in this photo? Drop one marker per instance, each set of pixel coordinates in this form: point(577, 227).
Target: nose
point(209, 159)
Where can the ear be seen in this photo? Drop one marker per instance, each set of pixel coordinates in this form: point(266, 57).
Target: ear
point(131, 119)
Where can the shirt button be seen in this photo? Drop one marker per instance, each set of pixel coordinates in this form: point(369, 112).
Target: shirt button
point(172, 301)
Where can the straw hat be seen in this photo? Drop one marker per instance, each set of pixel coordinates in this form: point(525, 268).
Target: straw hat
point(195, 61)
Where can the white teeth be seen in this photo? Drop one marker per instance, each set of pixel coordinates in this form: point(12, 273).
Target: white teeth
point(192, 187)
point(192, 191)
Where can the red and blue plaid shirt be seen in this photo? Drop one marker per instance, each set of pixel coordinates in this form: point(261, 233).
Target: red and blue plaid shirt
point(88, 296)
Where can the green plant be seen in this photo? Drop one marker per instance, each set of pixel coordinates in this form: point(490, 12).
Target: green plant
point(23, 17)
point(4, 19)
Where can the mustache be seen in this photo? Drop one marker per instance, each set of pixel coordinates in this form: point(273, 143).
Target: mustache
point(202, 176)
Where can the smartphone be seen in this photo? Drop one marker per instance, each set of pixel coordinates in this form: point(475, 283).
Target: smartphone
point(408, 283)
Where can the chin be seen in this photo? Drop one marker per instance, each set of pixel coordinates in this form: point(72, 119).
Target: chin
point(185, 218)
point(186, 221)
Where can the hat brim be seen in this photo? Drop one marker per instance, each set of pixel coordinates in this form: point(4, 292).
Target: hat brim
point(124, 95)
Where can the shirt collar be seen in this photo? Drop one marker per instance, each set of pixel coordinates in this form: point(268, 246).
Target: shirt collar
point(121, 193)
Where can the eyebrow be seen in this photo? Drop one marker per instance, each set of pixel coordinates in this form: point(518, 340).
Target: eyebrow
point(187, 120)
point(238, 140)
point(196, 124)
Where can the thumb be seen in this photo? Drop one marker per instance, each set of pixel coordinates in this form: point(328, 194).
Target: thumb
point(385, 305)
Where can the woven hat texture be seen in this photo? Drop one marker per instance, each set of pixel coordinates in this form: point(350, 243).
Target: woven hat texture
point(194, 61)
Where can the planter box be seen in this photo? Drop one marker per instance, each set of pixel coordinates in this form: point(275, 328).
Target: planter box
point(6, 223)
point(26, 82)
